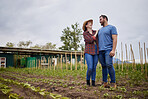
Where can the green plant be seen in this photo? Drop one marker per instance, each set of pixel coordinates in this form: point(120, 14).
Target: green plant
point(95, 91)
point(105, 95)
point(111, 88)
point(71, 87)
point(118, 97)
point(14, 96)
point(64, 86)
point(85, 87)
point(101, 88)
point(6, 91)
point(123, 89)
point(50, 83)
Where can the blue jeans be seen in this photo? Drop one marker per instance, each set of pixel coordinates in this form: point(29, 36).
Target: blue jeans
point(107, 65)
point(92, 61)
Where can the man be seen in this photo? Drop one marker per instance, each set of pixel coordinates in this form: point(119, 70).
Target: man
point(107, 45)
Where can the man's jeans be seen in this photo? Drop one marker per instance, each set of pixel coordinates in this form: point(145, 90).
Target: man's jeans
point(107, 65)
point(92, 61)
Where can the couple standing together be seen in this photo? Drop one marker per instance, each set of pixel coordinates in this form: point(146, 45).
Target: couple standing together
point(100, 45)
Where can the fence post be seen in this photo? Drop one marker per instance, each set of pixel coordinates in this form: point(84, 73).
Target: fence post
point(36, 63)
point(51, 63)
point(140, 55)
point(48, 62)
point(142, 69)
point(126, 56)
point(71, 60)
point(54, 62)
point(75, 60)
point(61, 62)
point(81, 60)
point(129, 57)
point(39, 64)
point(145, 61)
point(118, 61)
point(66, 60)
point(122, 55)
point(133, 64)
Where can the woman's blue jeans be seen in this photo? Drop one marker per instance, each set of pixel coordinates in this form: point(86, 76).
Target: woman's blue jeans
point(107, 65)
point(92, 61)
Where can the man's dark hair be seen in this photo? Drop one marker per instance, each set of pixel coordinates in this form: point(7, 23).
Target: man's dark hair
point(104, 16)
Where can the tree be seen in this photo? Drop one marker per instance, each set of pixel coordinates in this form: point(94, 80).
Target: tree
point(46, 46)
point(82, 47)
point(36, 46)
point(9, 44)
point(49, 46)
point(24, 44)
point(71, 38)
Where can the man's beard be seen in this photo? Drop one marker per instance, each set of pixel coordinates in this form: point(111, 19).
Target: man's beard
point(102, 24)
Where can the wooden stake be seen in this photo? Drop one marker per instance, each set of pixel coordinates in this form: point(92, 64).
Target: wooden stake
point(51, 62)
point(119, 60)
point(54, 62)
point(126, 56)
point(61, 62)
point(81, 61)
point(122, 55)
point(57, 63)
point(48, 62)
point(142, 69)
point(75, 60)
point(66, 60)
point(115, 57)
point(133, 58)
point(39, 64)
point(71, 60)
point(145, 61)
point(140, 55)
point(129, 57)
point(36, 63)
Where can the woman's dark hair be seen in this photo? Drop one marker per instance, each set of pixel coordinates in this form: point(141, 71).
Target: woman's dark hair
point(104, 16)
point(85, 27)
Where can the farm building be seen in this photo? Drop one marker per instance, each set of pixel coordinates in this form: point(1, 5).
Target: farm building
point(28, 57)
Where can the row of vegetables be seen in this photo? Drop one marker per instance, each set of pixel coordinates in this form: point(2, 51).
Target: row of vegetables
point(7, 90)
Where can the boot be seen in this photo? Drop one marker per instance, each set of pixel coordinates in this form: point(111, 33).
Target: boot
point(93, 83)
point(106, 85)
point(88, 82)
point(113, 85)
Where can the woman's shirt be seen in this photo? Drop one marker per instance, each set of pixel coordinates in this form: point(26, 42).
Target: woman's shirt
point(90, 42)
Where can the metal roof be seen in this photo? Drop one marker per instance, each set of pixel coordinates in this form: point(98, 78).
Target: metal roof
point(30, 51)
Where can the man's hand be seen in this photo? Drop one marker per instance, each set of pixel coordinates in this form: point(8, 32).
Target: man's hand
point(112, 53)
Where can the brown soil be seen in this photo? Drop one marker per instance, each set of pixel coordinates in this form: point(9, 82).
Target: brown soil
point(70, 88)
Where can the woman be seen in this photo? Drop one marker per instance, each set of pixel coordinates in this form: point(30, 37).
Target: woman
point(91, 50)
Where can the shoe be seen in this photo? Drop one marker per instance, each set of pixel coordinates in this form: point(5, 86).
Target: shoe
point(93, 83)
point(88, 82)
point(113, 85)
point(106, 85)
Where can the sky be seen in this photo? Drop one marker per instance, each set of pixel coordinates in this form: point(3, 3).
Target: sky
point(42, 21)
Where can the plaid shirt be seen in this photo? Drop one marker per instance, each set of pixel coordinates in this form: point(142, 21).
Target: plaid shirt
point(89, 42)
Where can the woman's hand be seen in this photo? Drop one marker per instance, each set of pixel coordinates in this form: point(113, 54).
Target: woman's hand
point(96, 33)
point(94, 38)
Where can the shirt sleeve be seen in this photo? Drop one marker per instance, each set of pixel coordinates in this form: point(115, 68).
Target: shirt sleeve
point(87, 38)
point(114, 31)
